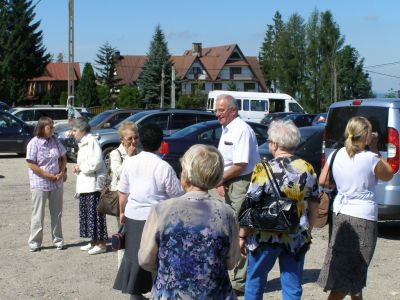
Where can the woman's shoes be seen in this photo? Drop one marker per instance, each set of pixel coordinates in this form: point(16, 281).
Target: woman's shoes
point(87, 247)
point(97, 250)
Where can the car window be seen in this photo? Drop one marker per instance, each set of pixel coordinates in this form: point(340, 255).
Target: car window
point(179, 121)
point(160, 120)
point(206, 117)
point(118, 118)
point(44, 113)
point(294, 107)
point(60, 114)
point(339, 116)
point(206, 135)
point(259, 105)
point(261, 133)
point(276, 105)
point(25, 115)
point(8, 122)
point(99, 118)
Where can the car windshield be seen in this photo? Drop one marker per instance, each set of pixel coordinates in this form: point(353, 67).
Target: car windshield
point(134, 118)
point(99, 118)
point(188, 130)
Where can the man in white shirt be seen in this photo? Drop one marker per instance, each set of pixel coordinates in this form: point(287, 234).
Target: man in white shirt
point(238, 146)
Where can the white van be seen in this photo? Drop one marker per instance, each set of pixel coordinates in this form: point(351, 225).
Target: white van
point(254, 106)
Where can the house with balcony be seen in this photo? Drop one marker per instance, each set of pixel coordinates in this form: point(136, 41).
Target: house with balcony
point(54, 80)
point(213, 68)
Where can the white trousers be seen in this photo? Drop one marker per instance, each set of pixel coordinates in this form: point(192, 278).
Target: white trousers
point(55, 199)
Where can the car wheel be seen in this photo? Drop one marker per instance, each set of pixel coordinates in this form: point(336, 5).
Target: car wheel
point(106, 154)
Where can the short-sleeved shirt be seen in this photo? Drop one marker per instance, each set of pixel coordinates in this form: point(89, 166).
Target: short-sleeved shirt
point(238, 144)
point(45, 153)
point(148, 180)
point(355, 180)
point(298, 181)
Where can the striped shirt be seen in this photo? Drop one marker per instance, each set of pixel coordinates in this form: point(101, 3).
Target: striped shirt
point(44, 153)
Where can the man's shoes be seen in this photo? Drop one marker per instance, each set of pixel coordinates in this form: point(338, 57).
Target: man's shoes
point(34, 249)
point(97, 250)
point(87, 247)
point(60, 247)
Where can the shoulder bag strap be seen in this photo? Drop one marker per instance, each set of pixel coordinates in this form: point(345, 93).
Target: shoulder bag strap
point(120, 155)
point(272, 179)
point(331, 179)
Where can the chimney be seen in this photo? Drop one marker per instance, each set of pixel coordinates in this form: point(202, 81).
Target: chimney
point(196, 49)
point(117, 55)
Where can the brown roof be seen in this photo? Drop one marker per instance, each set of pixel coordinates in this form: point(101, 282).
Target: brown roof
point(58, 72)
point(255, 66)
point(129, 67)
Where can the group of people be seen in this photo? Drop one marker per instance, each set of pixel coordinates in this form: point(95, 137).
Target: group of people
point(180, 241)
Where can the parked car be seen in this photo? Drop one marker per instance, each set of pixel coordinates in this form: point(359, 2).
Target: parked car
point(170, 120)
point(15, 134)
point(320, 119)
point(268, 118)
point(300, 120)
point(309, 149)
point(383, 113)
point(104, 120)
point(175, 145)
point(31, 114)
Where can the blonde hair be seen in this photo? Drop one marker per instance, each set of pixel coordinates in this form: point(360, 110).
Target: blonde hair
point(127, 126)
point(202, 166)
point(356, 128)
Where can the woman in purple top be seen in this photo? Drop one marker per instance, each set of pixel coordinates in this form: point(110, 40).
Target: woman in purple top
point(46, 160)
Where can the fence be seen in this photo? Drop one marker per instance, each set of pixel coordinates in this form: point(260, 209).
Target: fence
point(97, 109)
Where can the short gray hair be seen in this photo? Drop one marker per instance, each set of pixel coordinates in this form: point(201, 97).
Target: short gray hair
point(285, 134)
point(81, 124)
point(202, 166)
point(229, 100)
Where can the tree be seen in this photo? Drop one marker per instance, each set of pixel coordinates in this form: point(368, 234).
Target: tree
point(196, 101)
point(391, 93)
point(129, 96)
point(158, 61)
point(60, 57)
point(24, 55)
point(87, 89)
point(104, 95)
point(106, 66)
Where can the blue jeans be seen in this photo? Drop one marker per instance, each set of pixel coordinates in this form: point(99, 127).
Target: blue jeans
point(261, 262)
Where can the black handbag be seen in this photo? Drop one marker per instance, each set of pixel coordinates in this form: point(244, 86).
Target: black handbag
point(118, 239)
point(269, 211)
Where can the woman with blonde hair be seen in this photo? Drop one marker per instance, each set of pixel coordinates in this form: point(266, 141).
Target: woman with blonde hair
point(355, 171)
point(191, 241)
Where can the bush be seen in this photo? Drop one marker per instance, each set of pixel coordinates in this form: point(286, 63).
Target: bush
point(129, 96)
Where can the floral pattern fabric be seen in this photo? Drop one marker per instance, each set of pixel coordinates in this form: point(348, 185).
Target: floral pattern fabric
point(298, 181)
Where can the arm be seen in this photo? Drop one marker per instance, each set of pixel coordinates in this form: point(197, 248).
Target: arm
point(115, 163)
point(63, 165)
point(148, 251)
point(232, 172)
point(383, 170)
point(40, 172)
point(123, 199)
point(173, 185)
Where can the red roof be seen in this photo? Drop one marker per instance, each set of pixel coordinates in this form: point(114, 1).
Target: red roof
point(129, 67)
point(58, 72)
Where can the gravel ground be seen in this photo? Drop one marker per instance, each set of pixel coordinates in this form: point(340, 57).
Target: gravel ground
point(73, 274)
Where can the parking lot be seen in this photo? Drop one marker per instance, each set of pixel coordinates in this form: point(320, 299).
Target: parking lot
point(72, 274)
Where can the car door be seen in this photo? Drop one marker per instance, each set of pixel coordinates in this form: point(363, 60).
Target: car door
point(12, 135)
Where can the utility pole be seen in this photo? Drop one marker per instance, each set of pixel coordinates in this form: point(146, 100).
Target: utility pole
point(173, 87)
point(71, 69)
point(162, 88)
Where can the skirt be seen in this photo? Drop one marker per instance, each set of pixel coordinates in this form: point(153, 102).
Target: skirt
point(131, 278)
point(91, 223)
point(349, 254)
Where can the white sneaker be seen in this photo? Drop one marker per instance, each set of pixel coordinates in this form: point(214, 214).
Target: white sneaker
point(97, 250)
point(87, 247)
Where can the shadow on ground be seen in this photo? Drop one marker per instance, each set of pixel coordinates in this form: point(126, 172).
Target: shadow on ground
point(389, 230)
point(309, 275)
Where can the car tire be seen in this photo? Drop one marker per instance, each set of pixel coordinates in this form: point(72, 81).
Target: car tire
point(106, 154)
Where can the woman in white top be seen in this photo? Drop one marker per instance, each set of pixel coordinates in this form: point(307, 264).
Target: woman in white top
point(89, 168)
point(355, 172)
point(129, 136)
point(145, 181)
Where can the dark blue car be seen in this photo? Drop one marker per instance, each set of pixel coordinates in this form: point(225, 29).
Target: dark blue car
point(15, 134)
point(175, 145)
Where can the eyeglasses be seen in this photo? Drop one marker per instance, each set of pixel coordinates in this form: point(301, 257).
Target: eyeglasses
point(131, 138)
point(220, 110)
point(270, 142)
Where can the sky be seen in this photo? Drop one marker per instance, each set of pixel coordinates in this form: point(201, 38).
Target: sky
point(370, 26)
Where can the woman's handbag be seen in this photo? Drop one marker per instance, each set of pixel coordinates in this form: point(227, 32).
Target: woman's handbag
point(269, 212)
point(319, 216)
point(118, 239)
point(109, 202)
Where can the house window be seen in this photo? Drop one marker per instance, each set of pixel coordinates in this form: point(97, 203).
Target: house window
point(234, 71)
point(196, 71)
point(217, 86)
point(249, 86)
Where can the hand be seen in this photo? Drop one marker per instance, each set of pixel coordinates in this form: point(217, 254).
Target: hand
point(131, 150)
point(373, 143)
point(59, 176)
point(122, 218)
point(243, 249)
point(221, 190)
point(51, 177)
point(76, 169)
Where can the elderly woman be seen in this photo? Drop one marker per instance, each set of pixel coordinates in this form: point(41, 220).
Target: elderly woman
point(89, 169)
point(355, 211)
point(191, 241)
point(297, 180)
point(128, 134)
point(145, 180)
point(46, 160)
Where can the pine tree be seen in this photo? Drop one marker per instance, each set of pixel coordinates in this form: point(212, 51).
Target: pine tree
point(106, 66)
point(24, 55)
point(86, 92)
point(158, 59)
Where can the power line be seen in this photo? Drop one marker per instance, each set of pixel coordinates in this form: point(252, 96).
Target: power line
point(383, 65)
point(383, 74)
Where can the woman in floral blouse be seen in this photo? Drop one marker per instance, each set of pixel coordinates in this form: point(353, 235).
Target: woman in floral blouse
point(191, 241)
point(297, 180)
